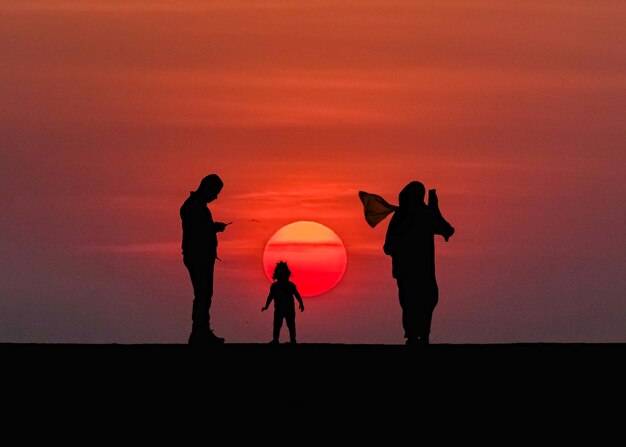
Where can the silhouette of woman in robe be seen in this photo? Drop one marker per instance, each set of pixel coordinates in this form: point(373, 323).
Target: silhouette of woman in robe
point(410, 243)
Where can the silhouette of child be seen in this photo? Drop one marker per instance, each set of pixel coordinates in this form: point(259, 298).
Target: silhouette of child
point(282, 292)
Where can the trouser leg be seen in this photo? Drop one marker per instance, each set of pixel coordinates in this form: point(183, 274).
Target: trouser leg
point(408, 307)
point(427, 302)
point(278, 324)
point(201, 275)
point(291, 325)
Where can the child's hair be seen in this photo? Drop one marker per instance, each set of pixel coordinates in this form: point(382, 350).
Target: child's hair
point(281, 271)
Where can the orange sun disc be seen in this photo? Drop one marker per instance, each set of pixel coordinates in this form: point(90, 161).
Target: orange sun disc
point(314, 253)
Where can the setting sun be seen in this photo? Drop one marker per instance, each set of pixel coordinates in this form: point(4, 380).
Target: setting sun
point(316, 256)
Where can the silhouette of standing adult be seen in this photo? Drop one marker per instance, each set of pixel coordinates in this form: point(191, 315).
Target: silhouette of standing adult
point(410, 243)
point(199, 248)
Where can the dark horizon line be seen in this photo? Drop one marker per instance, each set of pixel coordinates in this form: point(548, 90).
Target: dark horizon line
point(317, 344)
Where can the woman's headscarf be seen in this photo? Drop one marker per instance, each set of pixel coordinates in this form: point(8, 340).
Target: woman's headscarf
point(376, 209)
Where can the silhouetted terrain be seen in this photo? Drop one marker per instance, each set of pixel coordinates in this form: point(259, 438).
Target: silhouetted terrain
point(566, 389)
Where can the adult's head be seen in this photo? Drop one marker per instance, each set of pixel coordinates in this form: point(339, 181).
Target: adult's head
point(412, 195)
point(210, 187)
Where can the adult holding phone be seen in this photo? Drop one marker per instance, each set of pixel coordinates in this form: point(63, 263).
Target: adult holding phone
point(410, 243)
point(199, 249)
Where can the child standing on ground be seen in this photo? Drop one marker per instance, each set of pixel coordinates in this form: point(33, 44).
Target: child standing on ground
point(283, 292)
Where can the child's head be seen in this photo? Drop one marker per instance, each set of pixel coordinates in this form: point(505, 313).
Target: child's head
point(281, 271)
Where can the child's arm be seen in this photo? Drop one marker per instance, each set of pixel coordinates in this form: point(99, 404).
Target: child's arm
point(299, 298)
point(270, 297)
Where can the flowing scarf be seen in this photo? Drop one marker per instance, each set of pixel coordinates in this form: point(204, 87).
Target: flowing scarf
point(375, 208)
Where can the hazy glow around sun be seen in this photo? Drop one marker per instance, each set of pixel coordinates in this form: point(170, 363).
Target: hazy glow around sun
point(315, 254)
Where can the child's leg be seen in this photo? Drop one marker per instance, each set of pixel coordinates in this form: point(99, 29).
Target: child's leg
point(291, 325)
point(278, 323)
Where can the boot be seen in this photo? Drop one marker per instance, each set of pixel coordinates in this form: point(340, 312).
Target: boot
point(214, 339)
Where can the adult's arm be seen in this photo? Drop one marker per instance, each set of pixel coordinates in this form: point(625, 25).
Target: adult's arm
point(441, 226)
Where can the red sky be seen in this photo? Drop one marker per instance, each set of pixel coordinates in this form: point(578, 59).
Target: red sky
point(111, 114)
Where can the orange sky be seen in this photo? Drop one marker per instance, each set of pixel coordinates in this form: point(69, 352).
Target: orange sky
point(111, 114)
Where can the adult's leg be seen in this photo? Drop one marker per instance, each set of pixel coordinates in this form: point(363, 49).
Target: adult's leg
point(201, 274)
point(428, 299)
point(408, 303)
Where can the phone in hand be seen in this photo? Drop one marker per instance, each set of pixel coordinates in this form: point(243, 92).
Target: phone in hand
point(432, 196)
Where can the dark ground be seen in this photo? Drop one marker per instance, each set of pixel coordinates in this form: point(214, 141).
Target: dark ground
point(523, 386)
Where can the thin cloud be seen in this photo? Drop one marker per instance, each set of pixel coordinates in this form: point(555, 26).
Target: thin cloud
point(140, 6)
point(299, 245)
point(136, 248)
point(318, 192)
